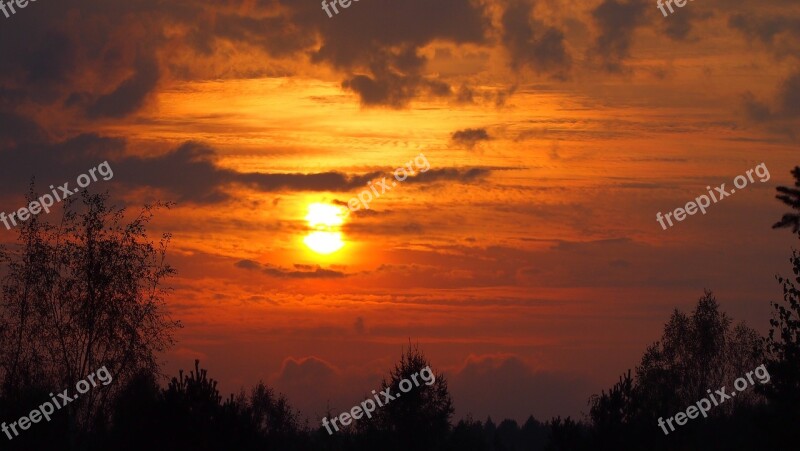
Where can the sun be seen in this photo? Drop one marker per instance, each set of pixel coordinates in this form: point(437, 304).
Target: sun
point(324, 215)
point(324, 242)
point(324, 221)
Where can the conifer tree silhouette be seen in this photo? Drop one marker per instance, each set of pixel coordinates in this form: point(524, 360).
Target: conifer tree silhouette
point(791, 197)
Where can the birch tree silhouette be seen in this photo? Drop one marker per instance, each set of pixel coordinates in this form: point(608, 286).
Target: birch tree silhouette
point(81, 294)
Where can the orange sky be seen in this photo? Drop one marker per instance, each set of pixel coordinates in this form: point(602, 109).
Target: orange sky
point(527, 262)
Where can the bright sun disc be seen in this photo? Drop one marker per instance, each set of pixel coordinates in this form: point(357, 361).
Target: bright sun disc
point(324, 242)
point(324, 220)
point(325, 215)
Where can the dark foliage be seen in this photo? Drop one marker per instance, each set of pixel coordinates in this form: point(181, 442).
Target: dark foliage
point(420, 419)
point(697, 352)
point(78, 296)
point(791, 197)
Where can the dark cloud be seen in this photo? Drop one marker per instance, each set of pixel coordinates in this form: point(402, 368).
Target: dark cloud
point(789, 97)
point(50, 56)
point(450, 174)
point(100, 55)
point(189, 172)
point(532, 43)
point(465, 94)
point(248, 264)
point(378, 44)
point(324, 181)
point(110, 55)
point(375, 44)
point(755, 109)
point(353, 37)
point(277, 35)
point(785, 109)
point(52, 163)
point(17, 130)
point(308, 370)
point(471, 136)
point(617, 21)
point(779, 33)
point(393, 90)
point(299, 271)
point(680, 26)
point(129, 95)
point(764, 28)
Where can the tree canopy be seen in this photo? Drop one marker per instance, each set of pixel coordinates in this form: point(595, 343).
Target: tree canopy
point(80, 295)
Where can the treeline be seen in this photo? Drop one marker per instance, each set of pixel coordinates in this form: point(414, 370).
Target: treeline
point(190, 414)
point(698, 351)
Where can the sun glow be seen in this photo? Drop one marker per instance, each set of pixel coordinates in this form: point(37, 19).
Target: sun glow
point(324, 242)
point(324, 220)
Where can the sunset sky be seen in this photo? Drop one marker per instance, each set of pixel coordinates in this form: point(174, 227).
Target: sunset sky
point(526, 262)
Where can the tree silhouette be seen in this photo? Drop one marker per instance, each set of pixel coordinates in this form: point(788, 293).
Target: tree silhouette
point(790, 197)
point(533, 434)
point(783, 363)
point(194, 408)
point(566, 435)
point(138, 415)
point(697, 352)
point(468, 435)
point(272, 416)
point(616, 415)
point(79, 295)
point(507, 436)
point(783, 341)
point(190, 414)
point(418, 420)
